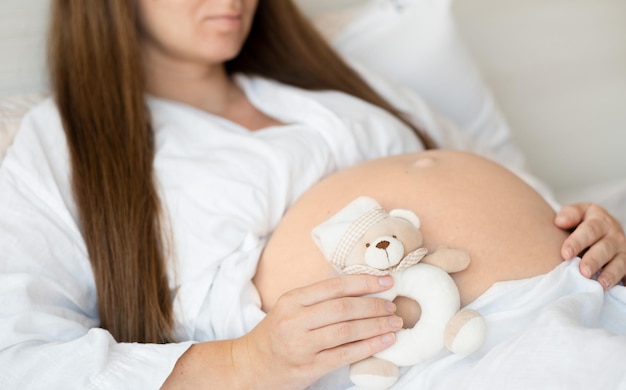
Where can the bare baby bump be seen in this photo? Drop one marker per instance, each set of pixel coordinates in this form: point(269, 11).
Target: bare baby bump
point(464, 201)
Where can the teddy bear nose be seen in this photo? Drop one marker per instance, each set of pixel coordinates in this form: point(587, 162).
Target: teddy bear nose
point(383, 245)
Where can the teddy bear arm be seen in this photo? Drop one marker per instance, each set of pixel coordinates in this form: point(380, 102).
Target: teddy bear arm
point(448, 259)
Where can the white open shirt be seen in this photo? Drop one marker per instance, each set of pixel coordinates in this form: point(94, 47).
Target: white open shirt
point(224, 189)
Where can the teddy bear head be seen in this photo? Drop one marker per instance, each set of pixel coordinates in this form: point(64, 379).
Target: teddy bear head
point(364, 236)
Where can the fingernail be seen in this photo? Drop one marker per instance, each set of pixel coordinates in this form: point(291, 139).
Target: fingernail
point(561, 218)
point(388, 338)
point(569, 253)
point(391, 307)
point(606, 284)
point(395, 322)
point(586, 271)
point(385, 281)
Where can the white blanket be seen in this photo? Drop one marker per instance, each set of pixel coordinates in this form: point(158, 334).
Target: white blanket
point(555, 331)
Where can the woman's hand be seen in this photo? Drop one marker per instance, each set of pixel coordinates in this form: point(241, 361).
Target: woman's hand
point(316, 329)
point(600, 236)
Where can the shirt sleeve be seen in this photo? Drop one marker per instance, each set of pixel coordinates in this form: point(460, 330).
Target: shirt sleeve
point(49, 334)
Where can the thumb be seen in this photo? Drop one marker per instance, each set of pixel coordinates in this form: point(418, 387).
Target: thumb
point(571, 216)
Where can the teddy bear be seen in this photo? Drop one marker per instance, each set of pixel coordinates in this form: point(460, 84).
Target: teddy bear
point(364, 238)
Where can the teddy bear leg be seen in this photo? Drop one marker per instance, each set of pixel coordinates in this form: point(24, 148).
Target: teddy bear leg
point(374, 374)
point(465, 332)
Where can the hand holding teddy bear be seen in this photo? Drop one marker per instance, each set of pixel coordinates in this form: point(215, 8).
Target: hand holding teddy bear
point(364, 238)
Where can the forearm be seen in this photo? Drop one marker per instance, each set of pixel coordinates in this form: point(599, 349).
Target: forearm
point(228, 364)
point(206, 365)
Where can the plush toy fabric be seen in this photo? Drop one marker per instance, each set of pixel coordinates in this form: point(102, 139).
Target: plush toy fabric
point(364, 238)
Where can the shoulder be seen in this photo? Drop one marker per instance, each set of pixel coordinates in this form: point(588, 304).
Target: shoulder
point(44, 109)
point(41, 124)
point(38, 154)
point(40, 129)
point(36, 168)
point(13, 110)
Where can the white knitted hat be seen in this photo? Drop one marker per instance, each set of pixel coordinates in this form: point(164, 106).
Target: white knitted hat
point(337, 236)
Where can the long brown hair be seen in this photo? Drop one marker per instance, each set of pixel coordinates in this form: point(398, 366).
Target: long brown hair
point(96, 76)
point(98, 84)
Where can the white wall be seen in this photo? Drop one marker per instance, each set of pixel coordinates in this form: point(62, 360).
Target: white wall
point(558, 70)
point(22, 45)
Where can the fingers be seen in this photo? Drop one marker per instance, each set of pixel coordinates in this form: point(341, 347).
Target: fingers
point(595, 258)
point(613, 272)
point(348, 309)
point(342, 286)
point(600, 237)
point(339, 305)
point(571, 216)
point(338, 300)
point(346, 332)
point(608, 257)
point(593, 223)
point(354, 352)
point(326, 325)
point(352, 329)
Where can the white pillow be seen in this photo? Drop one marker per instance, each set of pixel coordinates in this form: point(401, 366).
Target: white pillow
point(414, 43)
point(12, 110)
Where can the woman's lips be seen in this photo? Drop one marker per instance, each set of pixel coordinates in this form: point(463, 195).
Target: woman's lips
point(226, 21)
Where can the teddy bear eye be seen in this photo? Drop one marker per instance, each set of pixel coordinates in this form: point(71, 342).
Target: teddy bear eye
point(367, 245)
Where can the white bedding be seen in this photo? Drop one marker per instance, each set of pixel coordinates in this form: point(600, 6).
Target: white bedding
point(555, 331)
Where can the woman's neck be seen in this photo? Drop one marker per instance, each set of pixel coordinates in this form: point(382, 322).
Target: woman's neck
point(203, 86)
point(206, 87)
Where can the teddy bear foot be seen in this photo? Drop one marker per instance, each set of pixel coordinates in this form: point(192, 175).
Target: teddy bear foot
point(465, 332)
point(374, 374)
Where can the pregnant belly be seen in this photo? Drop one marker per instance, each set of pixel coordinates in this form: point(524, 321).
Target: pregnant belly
point(463, 201)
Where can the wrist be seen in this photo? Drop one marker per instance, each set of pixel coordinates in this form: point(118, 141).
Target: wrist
point(205, 366)
point(238, 361)
point(246, 367)
point(254, 369)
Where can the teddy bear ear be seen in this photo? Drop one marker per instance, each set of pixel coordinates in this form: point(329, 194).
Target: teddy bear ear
point(406, 214)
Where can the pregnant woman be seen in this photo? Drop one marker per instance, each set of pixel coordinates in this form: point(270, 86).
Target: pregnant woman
point(136, 202)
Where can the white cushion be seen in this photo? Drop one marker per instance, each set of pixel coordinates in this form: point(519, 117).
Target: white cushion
point(414, 43)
